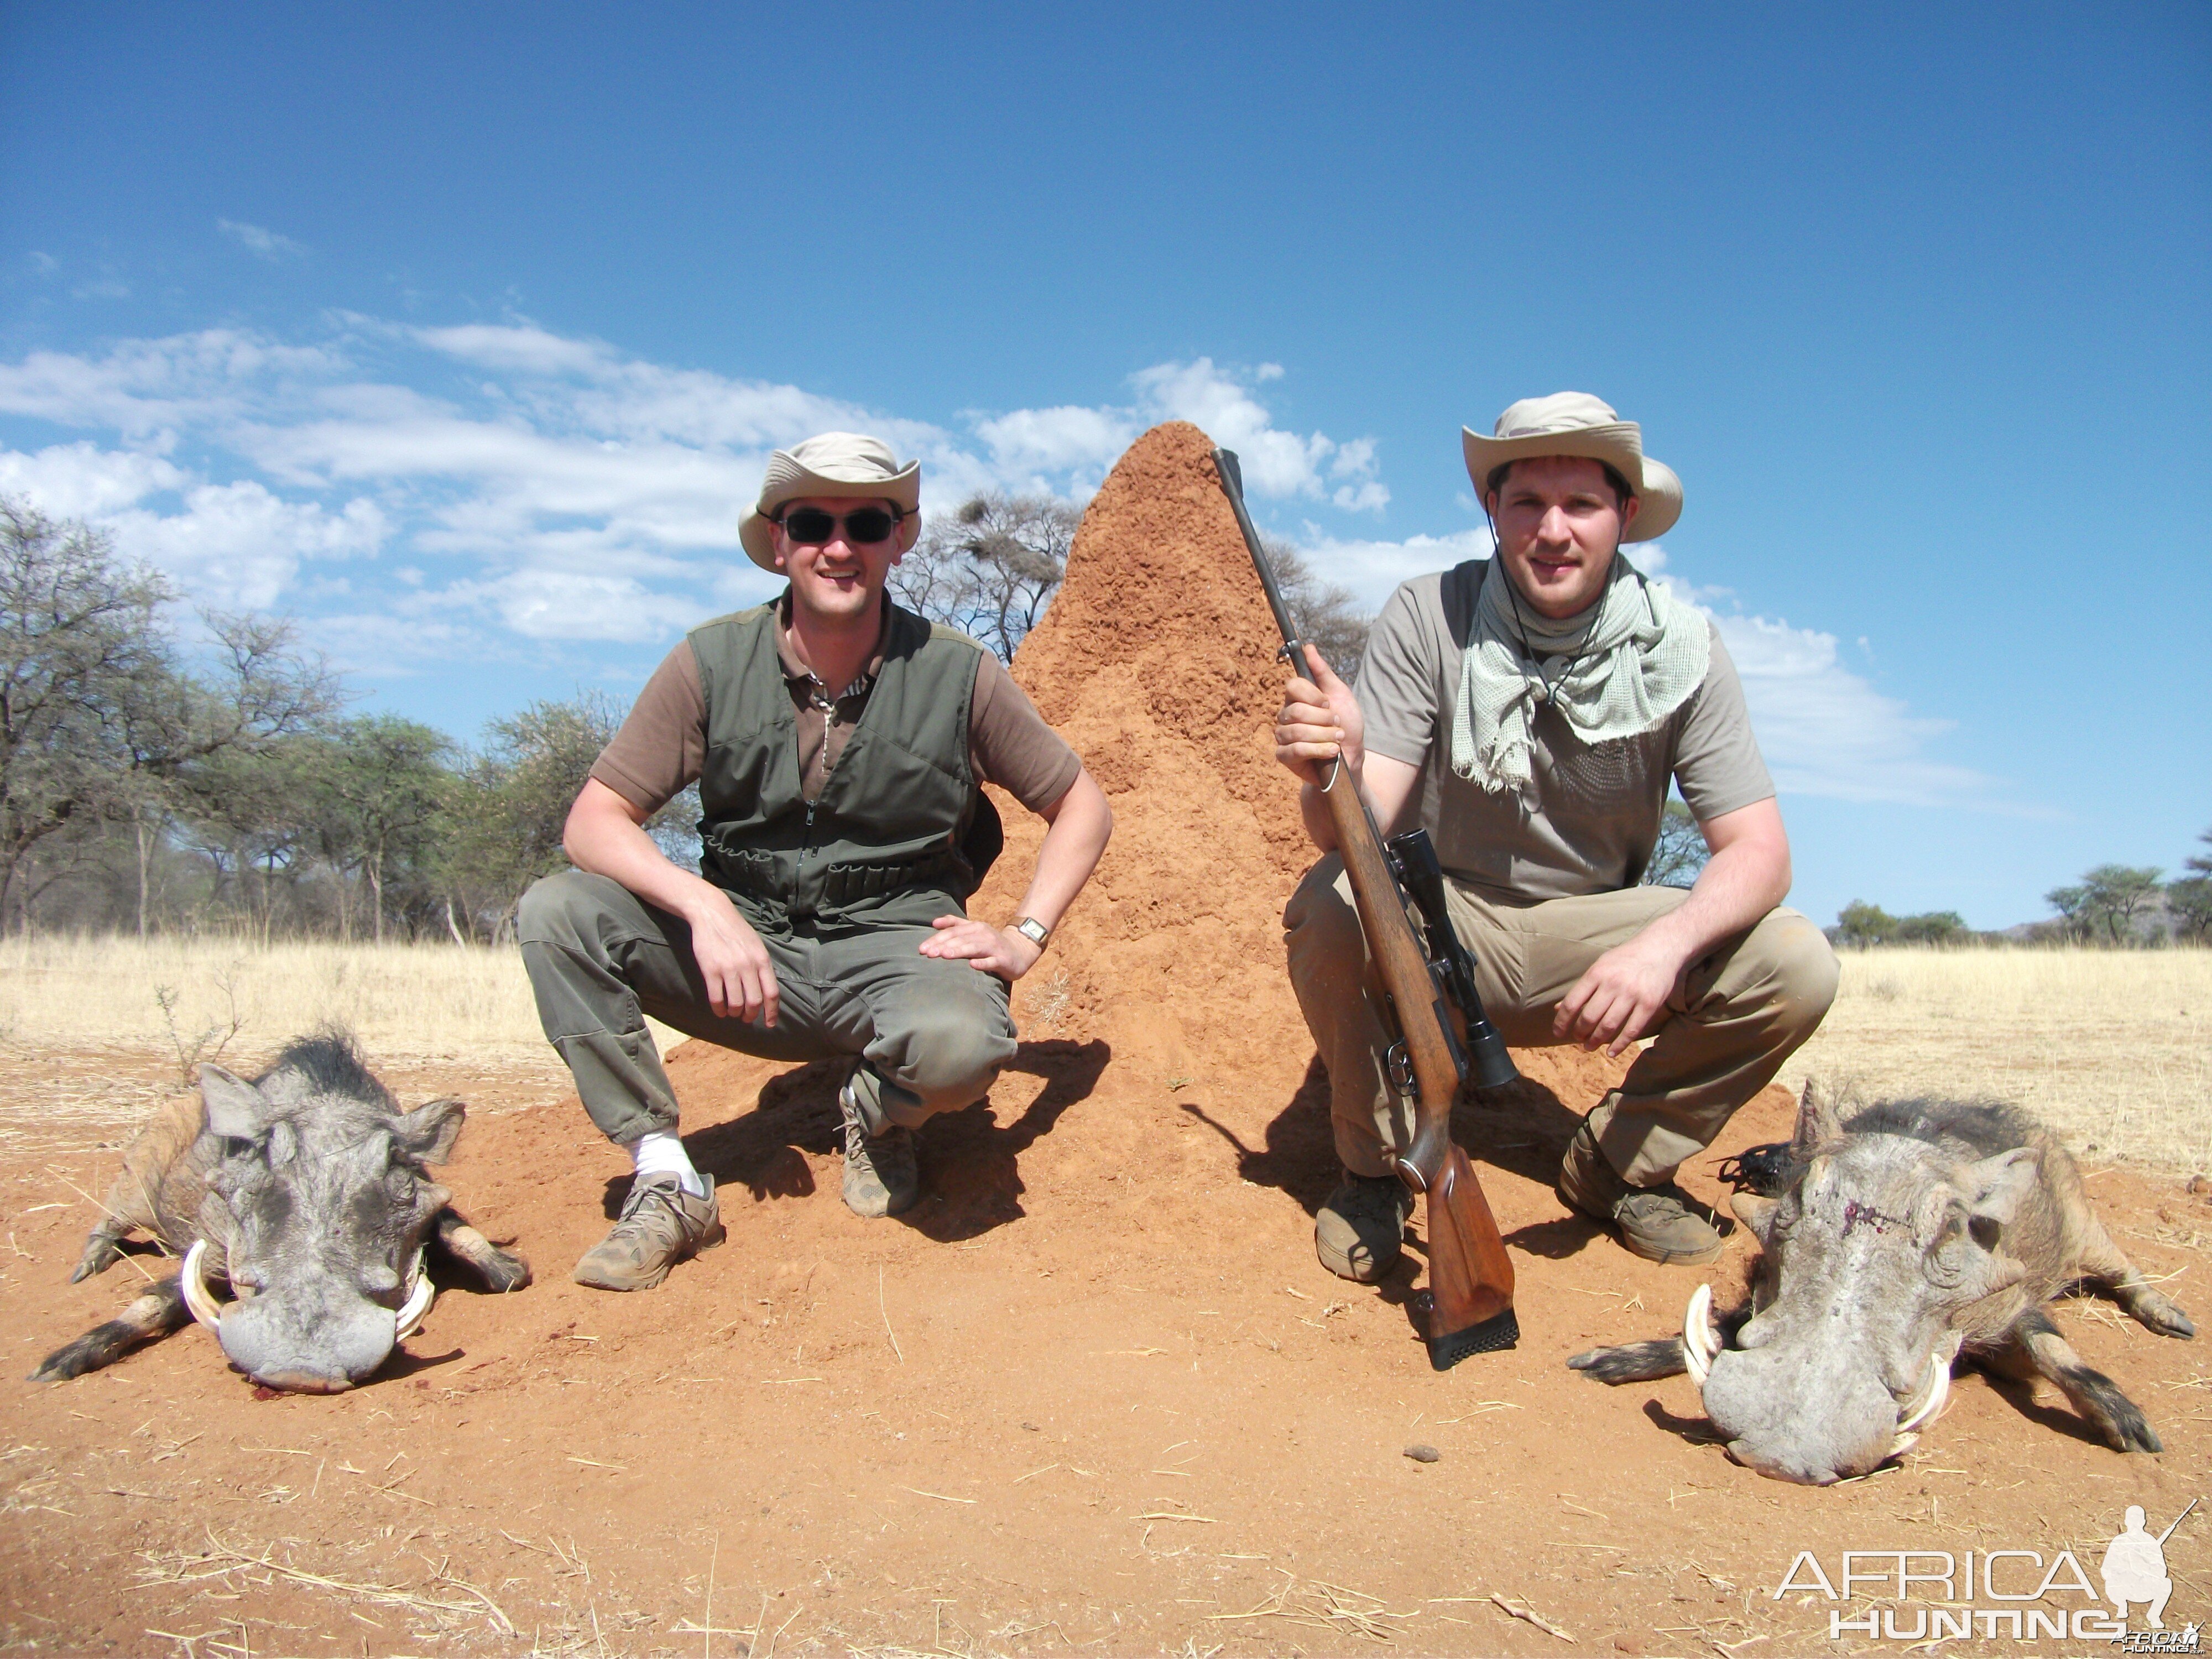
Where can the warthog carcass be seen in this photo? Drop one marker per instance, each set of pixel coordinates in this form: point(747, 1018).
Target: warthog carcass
point(308, 1191)
point(1917, 1233)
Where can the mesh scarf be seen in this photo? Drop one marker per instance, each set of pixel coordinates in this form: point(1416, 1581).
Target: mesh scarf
point(1619, 669)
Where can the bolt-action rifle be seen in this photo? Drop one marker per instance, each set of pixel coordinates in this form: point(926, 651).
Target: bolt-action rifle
point(1470, 1276)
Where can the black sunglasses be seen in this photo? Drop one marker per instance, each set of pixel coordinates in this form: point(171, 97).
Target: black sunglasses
point(811, 526)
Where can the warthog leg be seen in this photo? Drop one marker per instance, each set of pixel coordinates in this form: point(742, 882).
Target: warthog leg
point(2106, 1267)
point(2039, 1348)
point(1643, 1361)
point(102, 1249)
point(157, 1313)
point(478, 1259)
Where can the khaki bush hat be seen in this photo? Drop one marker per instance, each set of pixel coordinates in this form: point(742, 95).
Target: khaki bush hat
point(1576, 423)
point(839, 463)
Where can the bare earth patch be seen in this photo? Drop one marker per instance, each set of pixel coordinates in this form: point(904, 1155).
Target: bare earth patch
point(1094, 1393)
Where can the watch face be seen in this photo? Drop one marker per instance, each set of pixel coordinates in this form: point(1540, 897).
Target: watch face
point(1033, 930)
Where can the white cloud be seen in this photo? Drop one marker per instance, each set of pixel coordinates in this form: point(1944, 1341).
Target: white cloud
point(81, 480)
point(240, 546)
point(1826, 730)
point(540, 488)
point(1373, 569)
point(1071, 446)
point(517, 348)
point(1069, 438)
point(262, 244)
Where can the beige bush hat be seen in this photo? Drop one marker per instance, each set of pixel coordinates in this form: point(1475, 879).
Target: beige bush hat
point(840, 463)
point(1576, 423)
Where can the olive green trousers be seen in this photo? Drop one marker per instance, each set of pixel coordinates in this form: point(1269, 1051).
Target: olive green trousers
point(934, 1033)
point(1734, 1016)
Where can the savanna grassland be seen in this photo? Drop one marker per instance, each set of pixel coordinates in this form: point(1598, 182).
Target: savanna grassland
point(2113, 1047)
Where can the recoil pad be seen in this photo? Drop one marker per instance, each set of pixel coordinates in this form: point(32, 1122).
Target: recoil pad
point(1494, 1334)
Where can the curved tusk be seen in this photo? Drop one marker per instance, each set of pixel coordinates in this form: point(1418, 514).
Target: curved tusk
point(418, 1304)
point(1701, 1343)
point(1928, 1400)
point(205, 1309)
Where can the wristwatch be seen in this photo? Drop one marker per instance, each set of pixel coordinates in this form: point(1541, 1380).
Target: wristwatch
point(1034, 931)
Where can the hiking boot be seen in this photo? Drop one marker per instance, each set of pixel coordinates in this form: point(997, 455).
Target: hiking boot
point(660, 1225)
point(881, 1175)
point(1360, 1232)
point(1659, 1224)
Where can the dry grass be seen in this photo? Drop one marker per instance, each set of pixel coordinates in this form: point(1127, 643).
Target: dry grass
point(93, 1032)
point(414, 1001)
point(2112, 1048)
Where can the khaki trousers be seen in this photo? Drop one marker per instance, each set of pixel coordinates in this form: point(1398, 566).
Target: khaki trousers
point(934, 1033)
point(1734, 1016)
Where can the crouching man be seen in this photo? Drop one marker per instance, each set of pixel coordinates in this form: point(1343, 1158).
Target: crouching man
point(839, 742)
point(1529, 710)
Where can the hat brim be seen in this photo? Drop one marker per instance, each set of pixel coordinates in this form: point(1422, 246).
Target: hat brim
point(902, 489)
point(1658, 491)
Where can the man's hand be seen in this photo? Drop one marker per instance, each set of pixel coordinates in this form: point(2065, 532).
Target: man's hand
point(740, 979)
point(1319, 719)
point(995, 950)
point(1613, 1004)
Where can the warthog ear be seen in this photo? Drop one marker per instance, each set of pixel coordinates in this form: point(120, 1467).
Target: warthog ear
point(1994, 1187)
point(429, 1131)
point(235, 1110)
point(1756, 1213)
point(1818, 1122)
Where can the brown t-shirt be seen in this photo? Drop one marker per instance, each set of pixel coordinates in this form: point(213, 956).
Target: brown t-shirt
point(1592, 818)
point(662, 745)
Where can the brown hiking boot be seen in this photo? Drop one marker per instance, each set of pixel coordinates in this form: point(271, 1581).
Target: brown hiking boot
point(1360, 1232)
point(660, 1225)
point(1657, 1222)
point(882, 1174)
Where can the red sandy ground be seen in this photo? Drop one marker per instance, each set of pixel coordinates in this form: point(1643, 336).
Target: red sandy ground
point(1094, 1393)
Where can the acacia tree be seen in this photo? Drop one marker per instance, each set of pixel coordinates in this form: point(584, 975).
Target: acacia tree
point(1680, 853)
point(2190, 897)
point(99, 716)
point(504, 826)
point(1328, 616)
point(2117, 893)
point(991, 569)
point(379, 787)
point(1862, 924)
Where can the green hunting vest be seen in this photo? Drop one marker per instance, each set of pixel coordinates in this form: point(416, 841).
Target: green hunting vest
point(900, 831)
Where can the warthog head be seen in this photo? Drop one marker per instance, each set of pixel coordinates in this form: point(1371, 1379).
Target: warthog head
point(1870, 1257)
point(318, 1208)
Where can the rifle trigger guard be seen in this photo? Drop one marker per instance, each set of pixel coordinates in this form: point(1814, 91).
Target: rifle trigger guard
point(1400, 1065)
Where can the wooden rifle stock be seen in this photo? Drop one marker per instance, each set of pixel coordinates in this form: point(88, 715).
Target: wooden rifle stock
point(1470, 1275)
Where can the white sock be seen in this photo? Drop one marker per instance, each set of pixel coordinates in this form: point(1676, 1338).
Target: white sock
point(661, 1152)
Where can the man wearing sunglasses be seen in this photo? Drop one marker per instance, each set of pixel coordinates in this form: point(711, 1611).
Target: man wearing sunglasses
point(1530, 710)
point(839, 742)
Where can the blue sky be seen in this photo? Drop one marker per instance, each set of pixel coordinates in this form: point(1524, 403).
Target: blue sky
point(460, 333)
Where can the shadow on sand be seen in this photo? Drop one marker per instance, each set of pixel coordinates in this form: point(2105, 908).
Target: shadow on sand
point(1522, 1129)
point(970, 1166)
